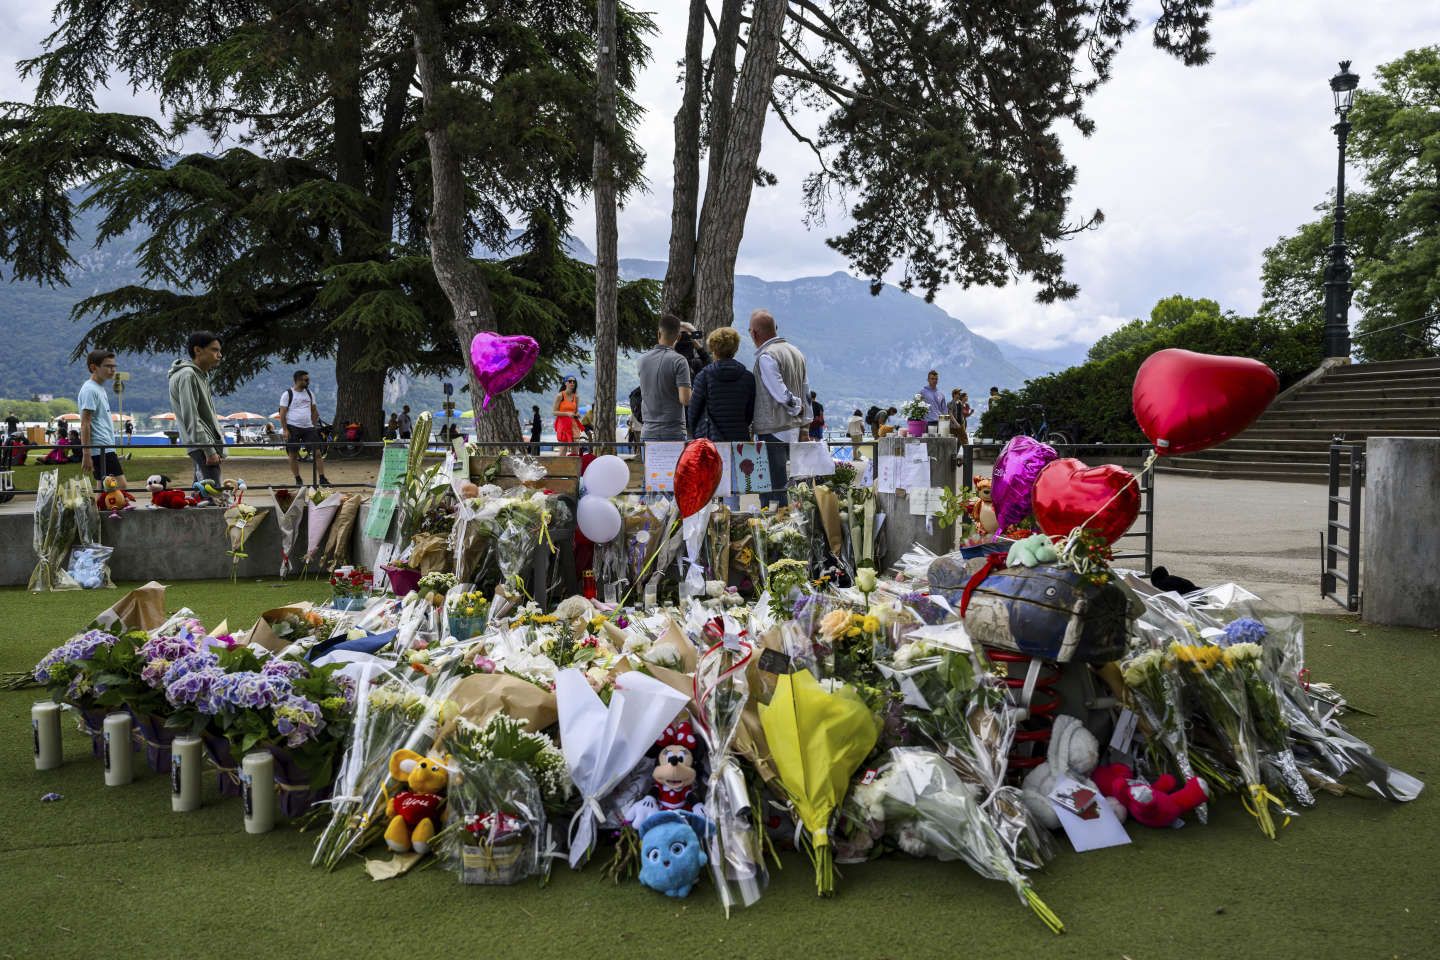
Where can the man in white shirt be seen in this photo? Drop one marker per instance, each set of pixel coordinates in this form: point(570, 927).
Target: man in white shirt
point(300, 425)
point(781, 386)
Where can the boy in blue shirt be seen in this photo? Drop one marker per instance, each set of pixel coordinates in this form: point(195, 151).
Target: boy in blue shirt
point(98, 456)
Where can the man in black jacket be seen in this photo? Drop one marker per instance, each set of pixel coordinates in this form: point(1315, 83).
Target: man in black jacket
point(722, 398)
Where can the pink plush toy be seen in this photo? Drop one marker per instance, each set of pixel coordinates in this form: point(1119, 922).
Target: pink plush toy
point(1156, 804)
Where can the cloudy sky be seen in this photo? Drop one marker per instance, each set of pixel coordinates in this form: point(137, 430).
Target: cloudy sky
point(1197, 169)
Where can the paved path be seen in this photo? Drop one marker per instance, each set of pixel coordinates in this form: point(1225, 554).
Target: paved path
point(1260, 534)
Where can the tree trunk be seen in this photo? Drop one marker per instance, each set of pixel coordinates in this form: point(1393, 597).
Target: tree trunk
point(359, 394)
point(464, 286)
point(607, 265)
point(677, 297)
point(727, 194)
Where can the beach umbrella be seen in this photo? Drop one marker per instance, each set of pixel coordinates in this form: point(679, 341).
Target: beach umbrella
point(245, 415)
point(69, 418)
point(163, 416)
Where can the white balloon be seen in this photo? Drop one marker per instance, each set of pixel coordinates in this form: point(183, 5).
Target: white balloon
point(607, 476)
point(598, 519)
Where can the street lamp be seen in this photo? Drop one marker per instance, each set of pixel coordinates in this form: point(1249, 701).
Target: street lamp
point(1337, 271)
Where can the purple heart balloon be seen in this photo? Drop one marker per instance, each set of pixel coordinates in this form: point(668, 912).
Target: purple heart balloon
point(1016, 470)
point(501, 362)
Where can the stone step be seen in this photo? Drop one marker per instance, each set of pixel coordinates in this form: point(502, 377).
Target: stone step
point(1251, 453)
point(1357, 394)
point(1385, 368)
point(1377, 408)
point(1343, 422)
point(1241, 471)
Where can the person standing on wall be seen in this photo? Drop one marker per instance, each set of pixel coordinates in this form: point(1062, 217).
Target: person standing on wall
point(98, 456)
point(194, 408)
point(405, 425)
point(300, 426)
point(781, 405)
point(664, 385)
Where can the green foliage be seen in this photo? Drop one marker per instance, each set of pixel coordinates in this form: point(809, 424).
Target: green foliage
point(1091, 402)
point(36, 410)
point(1392, 223)
point(1165, 315)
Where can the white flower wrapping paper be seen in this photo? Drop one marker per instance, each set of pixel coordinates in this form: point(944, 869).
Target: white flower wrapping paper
point(602, 744)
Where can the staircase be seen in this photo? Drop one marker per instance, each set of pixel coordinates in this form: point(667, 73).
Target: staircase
point(1291, 440)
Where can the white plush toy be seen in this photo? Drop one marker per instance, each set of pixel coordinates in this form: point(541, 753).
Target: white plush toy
point(1073, 751)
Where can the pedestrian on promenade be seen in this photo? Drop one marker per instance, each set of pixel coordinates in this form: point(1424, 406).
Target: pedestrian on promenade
point(781, 399)
point(664, 385)
point(98, 456)
point(722, 402)
point(194, 408)
point(300, 425)
point(567, 405)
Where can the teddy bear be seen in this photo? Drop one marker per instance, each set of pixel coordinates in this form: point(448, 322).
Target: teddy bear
point(1156, 804)
point(981, 510)
point(1074, 752)
point(414, 811)
point(674, 776)
point(161, 496)
point(672, 851)
point(1031, 552)
point(113, 498)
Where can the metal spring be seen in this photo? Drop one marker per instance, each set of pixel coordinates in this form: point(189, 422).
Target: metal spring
point(1040, 711)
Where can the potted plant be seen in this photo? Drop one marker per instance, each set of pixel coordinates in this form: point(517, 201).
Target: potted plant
point(917, 414)
point(349, 587)
point(466, 614)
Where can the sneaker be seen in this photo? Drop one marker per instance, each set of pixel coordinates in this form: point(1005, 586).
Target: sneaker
point(298, 482)
point(324, 480)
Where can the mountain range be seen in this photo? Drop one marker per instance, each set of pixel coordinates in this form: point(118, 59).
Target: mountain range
point(860, 349)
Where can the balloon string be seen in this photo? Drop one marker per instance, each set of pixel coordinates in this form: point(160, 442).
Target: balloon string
point(1070, 544)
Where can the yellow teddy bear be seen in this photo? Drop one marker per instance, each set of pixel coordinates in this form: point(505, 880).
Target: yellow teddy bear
point(413, 812)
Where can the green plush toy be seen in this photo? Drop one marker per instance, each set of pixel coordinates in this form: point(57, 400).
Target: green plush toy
point(1031, 552)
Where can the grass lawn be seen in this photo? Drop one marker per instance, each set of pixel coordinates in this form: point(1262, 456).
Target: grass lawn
point(111, 872)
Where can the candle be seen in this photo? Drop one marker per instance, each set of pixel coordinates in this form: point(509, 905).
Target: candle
point(45, 719)
point(119, 750)
point(185, 774)
point(257, 789)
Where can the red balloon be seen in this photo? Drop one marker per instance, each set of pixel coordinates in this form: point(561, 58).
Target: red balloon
point(1187, 401)
point(697, 474)
point(1068, 493)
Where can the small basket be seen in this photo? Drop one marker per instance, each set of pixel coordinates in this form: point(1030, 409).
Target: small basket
point(498, 864)
point(463, 628)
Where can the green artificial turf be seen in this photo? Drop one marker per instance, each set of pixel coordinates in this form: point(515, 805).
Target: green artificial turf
point(111, 872)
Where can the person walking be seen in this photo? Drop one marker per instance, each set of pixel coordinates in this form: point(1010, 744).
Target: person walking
point(722, 401)
point(300, 426)
point(535, 428)
point(960, 411)
point(664, 385)
point(194, 408)
point(405, 425)
point(781, 405)
point(98, 456)
point(129, 431)
point(567, 405)
point(933, 398)
point(817, 422)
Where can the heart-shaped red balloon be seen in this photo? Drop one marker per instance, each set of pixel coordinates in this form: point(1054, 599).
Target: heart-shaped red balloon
point(1067, 494)
point(697, 474)
point(1186, 401)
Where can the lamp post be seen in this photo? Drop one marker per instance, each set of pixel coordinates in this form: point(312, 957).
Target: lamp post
point(1337, 271)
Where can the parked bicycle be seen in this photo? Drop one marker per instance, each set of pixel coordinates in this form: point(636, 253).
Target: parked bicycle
point(1031, 421)
point(346, 443)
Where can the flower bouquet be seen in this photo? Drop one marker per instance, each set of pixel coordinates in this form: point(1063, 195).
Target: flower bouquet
point(389, 715)
point(1155, 687)
point(350, 587)
point(931, 812)
point(68, 674)
point(817, 740)
point(1215, 678)
point(241, 520)
point(65, 514)
point(466, 614)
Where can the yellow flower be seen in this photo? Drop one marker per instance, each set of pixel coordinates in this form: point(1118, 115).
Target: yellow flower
point(853, 632)
point(834, 623)
point(1205, 657)
point(871, 625)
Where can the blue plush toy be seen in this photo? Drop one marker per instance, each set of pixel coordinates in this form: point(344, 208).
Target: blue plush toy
point(671, 853)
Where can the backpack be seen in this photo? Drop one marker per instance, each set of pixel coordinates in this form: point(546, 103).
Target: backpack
point(635, 406)
point(870, 415)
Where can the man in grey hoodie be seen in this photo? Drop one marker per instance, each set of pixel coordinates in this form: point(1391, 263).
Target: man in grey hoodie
point(193, 407)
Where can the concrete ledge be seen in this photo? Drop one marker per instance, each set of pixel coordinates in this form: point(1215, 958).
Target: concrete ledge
point(172, 545)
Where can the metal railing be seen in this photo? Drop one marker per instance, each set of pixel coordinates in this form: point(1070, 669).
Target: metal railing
point(1331, 550)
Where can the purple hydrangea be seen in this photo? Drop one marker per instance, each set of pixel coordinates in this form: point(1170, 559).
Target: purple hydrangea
point(1244, 630)
point(82, 647)
point(246, 690)
point(346, 683)
point(153, 673)
point(297, 720)
point(288, 669)
point(194, 688)
point(168, 648)
point(190, 663)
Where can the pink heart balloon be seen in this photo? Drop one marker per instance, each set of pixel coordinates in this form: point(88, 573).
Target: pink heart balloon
point(501, 362)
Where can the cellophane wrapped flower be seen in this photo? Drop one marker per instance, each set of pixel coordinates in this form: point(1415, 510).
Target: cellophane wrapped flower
point(1214, 676)
point(1155, 687)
